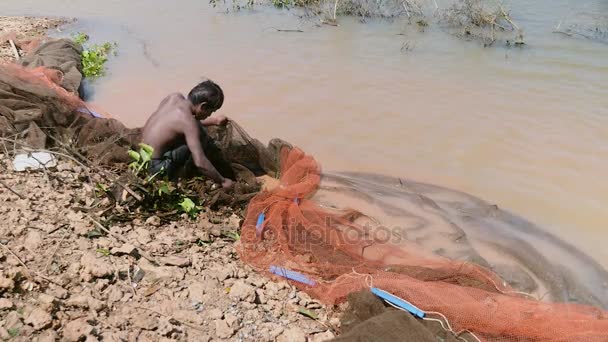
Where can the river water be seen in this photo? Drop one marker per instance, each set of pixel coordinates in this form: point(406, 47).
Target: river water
point(525, 128)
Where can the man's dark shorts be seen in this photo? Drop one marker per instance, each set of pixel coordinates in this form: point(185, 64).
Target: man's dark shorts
point(178, 162)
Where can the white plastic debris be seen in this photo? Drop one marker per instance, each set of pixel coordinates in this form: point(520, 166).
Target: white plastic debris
point(34, 161)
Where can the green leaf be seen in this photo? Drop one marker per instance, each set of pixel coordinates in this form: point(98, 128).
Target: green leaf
point(187, 205)
point(147, 148)
point(103, 251)
point(164, 188)
point(308, 313)
point(232, 235)
point(134, 155)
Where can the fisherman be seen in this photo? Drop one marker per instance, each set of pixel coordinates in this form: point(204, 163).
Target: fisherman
point(176, 131)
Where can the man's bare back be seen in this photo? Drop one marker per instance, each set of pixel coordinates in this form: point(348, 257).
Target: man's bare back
point(166, 127)
point(175, 125)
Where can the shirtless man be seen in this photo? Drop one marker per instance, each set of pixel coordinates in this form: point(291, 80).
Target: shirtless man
point(176, 132)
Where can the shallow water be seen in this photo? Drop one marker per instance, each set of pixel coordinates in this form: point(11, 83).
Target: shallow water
point(523, 128)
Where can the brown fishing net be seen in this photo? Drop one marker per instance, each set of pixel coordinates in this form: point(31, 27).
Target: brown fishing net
point(326, 248)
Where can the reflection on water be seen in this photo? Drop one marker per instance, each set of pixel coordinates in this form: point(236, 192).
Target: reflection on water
point(524, 128)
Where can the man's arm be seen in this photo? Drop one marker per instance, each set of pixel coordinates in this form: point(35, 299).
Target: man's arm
point(192, 134)
point(214, 121)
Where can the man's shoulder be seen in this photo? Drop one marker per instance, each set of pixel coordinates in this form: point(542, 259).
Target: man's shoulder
point(175, 96)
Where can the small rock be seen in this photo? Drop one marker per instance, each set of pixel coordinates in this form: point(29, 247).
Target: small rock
point(196, 291)
point(39, 319)
point(324, 336)
point(95, 267)
point(6, 284)
point(153, 221)
point(33, 240)
point(231, 320)
point(57, 291)
point(101, 284)
point(125, 249)
point(215, 314)
point(261, 296)
point(47, 336)
point(334, 322)
point(292, 335)
point(145, 322)
point(189, 316)
point(176, 261)
point(165, 327)
point(96, 305)
point(143, 236)
point(242, 292)
point(46, 299)
point(12, 320)
point(5, 304)
point(79, 301)
point(114, 294)
point(4, 335)
point(274, 333)
point(77, 329)
point(91, 338)
point(195, 337)
point(222, 330)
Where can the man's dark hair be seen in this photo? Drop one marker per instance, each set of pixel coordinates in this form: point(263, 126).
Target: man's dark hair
point(209, 92)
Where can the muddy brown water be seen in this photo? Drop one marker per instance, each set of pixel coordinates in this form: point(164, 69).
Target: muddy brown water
point(523, 128)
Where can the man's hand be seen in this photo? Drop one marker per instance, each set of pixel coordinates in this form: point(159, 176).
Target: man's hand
point(221, 119)
point(227, 183)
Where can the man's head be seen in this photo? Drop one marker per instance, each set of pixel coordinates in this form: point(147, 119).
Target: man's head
point(206, 98)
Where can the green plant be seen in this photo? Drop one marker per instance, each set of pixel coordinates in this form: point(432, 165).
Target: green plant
point(281, 3)
point(141, 159)
point(94, 58)
point(189, 207)
point(103, 251)
point(80, 38)
point(14, 332)
point(101, 189)
point(235, 236)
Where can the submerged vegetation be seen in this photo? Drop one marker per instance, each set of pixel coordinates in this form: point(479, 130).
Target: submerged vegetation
point(487, 21)
point(482, 20)
point(94, 57)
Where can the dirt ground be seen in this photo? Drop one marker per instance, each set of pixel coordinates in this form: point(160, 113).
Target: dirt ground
point(59, 281)
point(25, 32)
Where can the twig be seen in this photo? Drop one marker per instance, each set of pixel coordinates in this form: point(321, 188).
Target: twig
point(142, 252)
point(507, 17)
point(11, 189)
point(168, 316)
point(48, 263)
point(27, 270)
point(280, 30)
point(336, 8)
point(16, 256)
point(406, 10)
point(17, 57)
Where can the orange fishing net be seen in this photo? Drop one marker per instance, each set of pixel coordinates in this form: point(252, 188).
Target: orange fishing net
point(323, 250)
